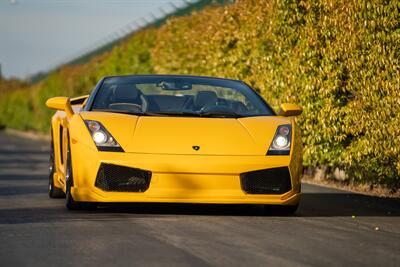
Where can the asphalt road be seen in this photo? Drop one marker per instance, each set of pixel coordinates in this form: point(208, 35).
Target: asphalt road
point(36, 230)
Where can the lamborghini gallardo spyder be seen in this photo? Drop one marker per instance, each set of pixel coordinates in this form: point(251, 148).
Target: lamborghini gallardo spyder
point(175, 139)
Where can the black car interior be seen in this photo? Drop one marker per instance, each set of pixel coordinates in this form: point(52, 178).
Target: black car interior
point(128, 97)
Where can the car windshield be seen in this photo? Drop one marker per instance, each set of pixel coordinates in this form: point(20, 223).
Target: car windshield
point(178, 96)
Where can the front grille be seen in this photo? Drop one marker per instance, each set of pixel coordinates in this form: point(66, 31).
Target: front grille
point(116, 178)
point(268, 181)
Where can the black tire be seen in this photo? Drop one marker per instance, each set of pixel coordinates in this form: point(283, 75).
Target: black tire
point(54, 192)
point(70, 203)
point(282, 210)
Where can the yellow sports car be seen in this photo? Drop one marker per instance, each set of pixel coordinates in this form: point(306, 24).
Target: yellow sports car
point(177, 139)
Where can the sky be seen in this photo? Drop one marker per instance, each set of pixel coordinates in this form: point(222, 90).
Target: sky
point(37, 35)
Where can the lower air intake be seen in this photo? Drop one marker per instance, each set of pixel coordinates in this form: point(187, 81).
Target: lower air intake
point(268, 181)
point(114, 178)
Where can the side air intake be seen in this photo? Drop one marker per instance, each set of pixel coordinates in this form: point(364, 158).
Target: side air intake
point(114, 178)
point(268, 181)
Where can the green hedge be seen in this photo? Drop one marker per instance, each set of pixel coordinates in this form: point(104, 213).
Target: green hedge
point(338, 59)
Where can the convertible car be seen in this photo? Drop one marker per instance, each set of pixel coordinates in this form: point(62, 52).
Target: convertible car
point(176, 139)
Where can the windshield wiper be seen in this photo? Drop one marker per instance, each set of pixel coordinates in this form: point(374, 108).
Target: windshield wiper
point(138, 113)
point(178, 113)
point(220, 114)
point(157, 113)
point(214, 114)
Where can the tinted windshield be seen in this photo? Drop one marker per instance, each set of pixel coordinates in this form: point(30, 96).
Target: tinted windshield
point(176, 95)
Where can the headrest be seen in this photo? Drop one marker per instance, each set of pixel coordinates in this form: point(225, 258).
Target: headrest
point(126, 92)
point(205, 98)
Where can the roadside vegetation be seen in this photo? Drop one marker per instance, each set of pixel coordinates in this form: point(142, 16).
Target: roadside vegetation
point(338, 59)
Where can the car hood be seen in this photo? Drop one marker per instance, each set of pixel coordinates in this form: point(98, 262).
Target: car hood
point(190, 135)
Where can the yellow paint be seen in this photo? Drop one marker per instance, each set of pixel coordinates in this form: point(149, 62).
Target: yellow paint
point(163, 145)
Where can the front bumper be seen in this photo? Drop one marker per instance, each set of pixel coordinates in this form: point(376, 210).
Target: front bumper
point(182, 178)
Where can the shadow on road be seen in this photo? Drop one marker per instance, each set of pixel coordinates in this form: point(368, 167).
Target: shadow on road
point(312, 205)
point(21, 190)
point(24, 152)
point(347, 204)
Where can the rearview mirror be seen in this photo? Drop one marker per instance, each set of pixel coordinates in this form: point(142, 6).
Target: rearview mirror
point(288, 110)
point(60, 103)
point(174, 86)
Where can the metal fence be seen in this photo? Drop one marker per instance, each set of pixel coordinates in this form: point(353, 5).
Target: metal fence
point(155, 18)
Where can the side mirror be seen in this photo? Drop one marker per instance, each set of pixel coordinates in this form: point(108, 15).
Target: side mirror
point(60, 103)
point(288, 110)
point(80, 100)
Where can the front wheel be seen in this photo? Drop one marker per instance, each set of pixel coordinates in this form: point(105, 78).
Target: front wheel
point(54, 192)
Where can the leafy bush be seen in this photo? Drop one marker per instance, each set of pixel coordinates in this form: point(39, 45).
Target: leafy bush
point(338, 59)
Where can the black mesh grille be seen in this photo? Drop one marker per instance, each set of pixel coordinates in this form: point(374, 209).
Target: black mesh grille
point(116, 178)
point(268, 181)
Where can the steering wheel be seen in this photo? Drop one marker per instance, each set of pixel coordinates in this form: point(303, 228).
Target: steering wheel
point(126, 106)
point(208, 108)
point(217, 109)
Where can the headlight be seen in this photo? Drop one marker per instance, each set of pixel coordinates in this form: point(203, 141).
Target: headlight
point(102, 138)
point(99, 138)
point(282, 140)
